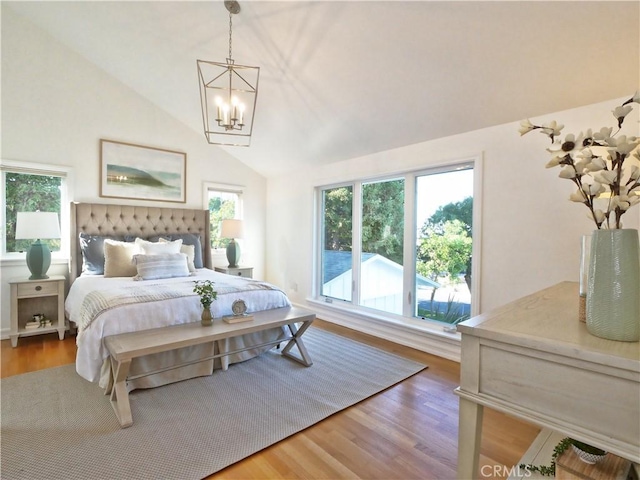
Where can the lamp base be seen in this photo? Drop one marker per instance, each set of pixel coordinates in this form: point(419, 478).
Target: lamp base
point(233, 254)
point(38, 260)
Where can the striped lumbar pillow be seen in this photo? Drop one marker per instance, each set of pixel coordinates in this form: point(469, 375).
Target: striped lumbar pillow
point(167, 265)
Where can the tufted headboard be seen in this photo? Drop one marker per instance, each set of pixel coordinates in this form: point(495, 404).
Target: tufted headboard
point(107, 219)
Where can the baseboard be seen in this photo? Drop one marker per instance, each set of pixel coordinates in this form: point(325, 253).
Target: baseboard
point(426, 339)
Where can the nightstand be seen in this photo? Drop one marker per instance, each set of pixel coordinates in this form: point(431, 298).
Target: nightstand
point(30, 297)
point(237, 271)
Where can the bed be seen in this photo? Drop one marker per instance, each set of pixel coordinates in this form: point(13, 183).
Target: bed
point(106, 299)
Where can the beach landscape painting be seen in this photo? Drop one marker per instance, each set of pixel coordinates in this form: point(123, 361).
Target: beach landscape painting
point(139, 172)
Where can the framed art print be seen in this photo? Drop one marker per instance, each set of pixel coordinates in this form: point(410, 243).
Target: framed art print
point(144, 173)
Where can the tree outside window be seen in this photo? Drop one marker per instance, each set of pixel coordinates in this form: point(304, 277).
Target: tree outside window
point(29, 193)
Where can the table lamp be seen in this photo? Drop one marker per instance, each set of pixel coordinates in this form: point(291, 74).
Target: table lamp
point(34, 226)
point(232, 228)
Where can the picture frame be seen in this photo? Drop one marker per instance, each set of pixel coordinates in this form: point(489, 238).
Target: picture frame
point(142, 173)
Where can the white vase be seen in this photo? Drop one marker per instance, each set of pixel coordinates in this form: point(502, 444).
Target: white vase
point(613, 296)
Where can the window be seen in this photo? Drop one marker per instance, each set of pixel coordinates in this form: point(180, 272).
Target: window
point(30, 187)
point(222, 201)
point(403, 245)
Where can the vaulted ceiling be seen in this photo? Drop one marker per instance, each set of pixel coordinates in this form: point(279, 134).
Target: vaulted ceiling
point(344, 79)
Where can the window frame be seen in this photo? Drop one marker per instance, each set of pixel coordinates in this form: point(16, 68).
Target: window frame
point(66, 175)
point(225, 188)
point(410, 176)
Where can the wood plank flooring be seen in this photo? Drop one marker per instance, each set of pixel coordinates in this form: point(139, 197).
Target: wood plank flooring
point(409, 431)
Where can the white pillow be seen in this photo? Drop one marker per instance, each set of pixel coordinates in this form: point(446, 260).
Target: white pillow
point(166, 265)
point(117, 258)
point(188, 250)
point(151, 248)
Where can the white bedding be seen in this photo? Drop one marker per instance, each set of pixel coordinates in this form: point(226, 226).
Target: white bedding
point(140, 316)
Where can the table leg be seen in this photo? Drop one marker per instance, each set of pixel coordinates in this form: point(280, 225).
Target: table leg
point(469, 435)
point(305, 359)
point(119, 393)
point(223, 347)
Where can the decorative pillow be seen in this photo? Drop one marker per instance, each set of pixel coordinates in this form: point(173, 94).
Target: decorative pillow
point(165, 265)
point(188, 250)
point(156, 248)
point(187, 239)
point(117, 258)
point(92, 248)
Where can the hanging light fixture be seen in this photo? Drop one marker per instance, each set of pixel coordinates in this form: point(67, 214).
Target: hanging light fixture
point(228, 94)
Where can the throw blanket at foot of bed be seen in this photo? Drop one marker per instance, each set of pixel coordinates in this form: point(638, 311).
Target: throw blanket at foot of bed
point(110, 306)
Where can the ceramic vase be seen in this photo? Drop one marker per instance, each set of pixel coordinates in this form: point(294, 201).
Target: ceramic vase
point(206, 318)
point(613, 296)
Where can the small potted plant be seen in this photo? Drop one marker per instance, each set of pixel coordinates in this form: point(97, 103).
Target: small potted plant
point(204, 288)
point(585, 452)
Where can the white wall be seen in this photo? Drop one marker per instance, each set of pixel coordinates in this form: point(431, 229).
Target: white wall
point(530, 230)
point(55, 108)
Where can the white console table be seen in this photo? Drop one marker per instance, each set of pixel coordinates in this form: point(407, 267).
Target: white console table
point(535, 360)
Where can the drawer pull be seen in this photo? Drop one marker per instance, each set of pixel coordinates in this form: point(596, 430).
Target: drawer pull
point(38, 288)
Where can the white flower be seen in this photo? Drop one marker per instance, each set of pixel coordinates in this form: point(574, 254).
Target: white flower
point(597, 164)
point(606, 177)
point(604, 166)
point(554, 162)
point(620, 112)
point(620, 201)
point(635, 98)
point(593, 189)
point(567, 172)
point(599, 216)
point(526, 126)
point(578, 196)
point(603, 134)
point(552, 129)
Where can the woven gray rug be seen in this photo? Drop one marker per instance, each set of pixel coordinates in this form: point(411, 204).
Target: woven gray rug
point(56, 425)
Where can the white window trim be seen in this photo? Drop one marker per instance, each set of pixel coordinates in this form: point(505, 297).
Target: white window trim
point(67, 196)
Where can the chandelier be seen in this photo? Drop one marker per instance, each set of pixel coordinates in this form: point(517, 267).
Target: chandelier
point(228, 94)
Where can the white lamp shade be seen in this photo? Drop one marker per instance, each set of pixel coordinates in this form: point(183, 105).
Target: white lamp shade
point(33, 225)
point(232, 228)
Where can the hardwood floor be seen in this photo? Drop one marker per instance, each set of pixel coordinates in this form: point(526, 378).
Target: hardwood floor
point(409, 431)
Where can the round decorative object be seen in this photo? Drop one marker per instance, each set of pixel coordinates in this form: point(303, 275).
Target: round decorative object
point(239, 307)
point(590, 458)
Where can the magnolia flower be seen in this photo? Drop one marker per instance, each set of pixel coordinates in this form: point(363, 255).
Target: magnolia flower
point(567, 172)
point(606, 176)
point(620, 112)
point(604, 167)
point(598, 216)
point(552, 129)
point(635, 98)
point(526, 126)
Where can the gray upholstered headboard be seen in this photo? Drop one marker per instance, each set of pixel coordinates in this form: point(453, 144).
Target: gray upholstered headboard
point(116, 220)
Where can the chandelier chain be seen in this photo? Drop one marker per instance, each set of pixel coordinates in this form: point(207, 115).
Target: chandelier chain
point(230, 29)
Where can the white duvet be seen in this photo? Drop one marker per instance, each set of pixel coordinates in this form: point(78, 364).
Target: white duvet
point(141, 316)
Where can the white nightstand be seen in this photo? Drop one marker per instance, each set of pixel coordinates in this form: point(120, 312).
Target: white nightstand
point(237, 271)
point(29, 297)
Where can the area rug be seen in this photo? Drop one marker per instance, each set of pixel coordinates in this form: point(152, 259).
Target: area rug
point(56, 425)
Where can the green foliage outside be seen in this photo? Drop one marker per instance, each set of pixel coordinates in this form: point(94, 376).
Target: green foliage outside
point(219, 209)
point(338, 223)
point(383, 219)
point(30, 193)
point(444, 250)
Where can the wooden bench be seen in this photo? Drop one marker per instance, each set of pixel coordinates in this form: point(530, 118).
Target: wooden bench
point(125, 347)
